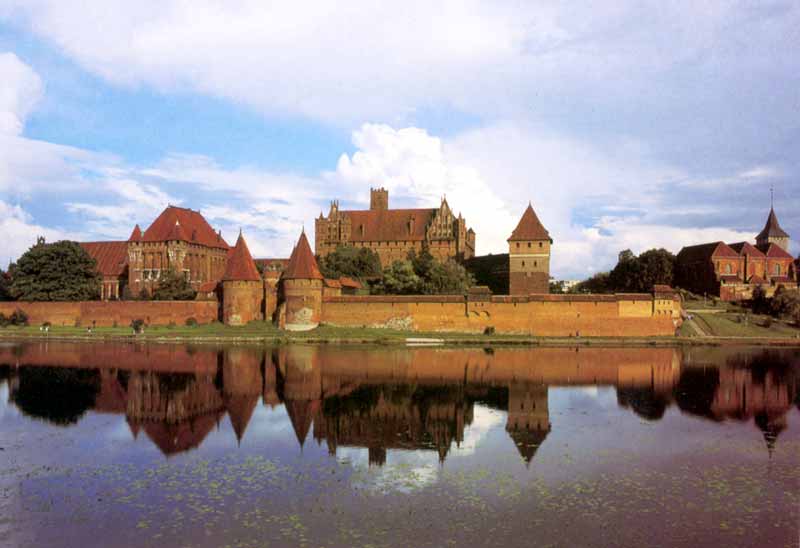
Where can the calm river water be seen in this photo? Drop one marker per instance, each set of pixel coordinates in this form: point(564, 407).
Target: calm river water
point(124, 445)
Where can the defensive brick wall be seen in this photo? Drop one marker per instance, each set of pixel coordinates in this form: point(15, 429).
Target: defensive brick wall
point(110, 313)
point(538, 315)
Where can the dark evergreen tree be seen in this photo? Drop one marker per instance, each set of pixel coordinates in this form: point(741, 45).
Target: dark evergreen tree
point(5, 284)
point(173, 286)
point(62, 271)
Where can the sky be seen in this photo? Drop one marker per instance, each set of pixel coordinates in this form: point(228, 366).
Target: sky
point(627, 125)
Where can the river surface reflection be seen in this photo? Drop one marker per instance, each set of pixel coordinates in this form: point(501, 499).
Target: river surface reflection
point(119, 445)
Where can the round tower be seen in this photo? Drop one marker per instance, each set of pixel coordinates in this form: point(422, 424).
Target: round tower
point(242, 287)
point(301, 288)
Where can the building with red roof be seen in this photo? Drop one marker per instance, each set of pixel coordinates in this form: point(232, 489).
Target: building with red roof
point(731, 272)
point(392, 233)
point(529, 256)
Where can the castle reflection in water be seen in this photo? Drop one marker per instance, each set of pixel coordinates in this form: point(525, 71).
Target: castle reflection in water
point(385, 399)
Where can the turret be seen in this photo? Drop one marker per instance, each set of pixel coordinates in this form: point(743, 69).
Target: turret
point(301, 287)
point(243, 289)
point(529, 256)
point(772, 234)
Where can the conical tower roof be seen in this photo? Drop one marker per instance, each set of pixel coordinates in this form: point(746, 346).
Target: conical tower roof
point(529, 227)
point(136, 235)
point(772, 229)
point(241, 266)
point(527, 442)
point(302, 264)
point(240, 411)
point(301, 414)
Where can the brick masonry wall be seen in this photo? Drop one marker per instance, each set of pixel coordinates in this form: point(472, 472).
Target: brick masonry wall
point(546, 315)
point(121, 313)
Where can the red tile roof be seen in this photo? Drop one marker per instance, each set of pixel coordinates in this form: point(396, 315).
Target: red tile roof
point(333, 283)
point(185, 225)
point(111, 257)
point(207, 287)
point(747, 249)
point(388, 224)
point(705, 252)
point(302, 264)
point(241, 267)
point(772, 229)
point(346, 281)
point(774, 251)
point(529, 227)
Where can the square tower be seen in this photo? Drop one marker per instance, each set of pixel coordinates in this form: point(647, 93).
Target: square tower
point(529, 256)
point(378, 199)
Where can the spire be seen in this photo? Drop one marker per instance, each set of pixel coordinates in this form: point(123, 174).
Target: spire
point(529, 227)
point(136, 235)
point(302, 264)
point(772, 229)
point(241, 267)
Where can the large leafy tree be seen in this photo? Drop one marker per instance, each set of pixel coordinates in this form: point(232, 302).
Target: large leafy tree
point(359, 263)
point(173, 286)
point(640, 274)
point(399, 279)
point(447, 278)
point(61, 271)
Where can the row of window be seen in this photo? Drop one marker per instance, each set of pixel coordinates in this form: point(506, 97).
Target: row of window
point(530, 245)
point(776, 271)
point(151, 275)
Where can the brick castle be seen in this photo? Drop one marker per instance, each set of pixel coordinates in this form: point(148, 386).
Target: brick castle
point(295, 295)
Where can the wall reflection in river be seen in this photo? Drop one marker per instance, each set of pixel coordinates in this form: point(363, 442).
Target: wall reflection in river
point(119, 445)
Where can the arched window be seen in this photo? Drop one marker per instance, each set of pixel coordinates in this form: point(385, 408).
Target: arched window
point(728, 268)
point(529, 244)
point(523, 263)
point(777, 269)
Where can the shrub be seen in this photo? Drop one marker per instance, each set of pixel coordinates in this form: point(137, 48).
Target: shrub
point(18, 317)
point(47, 324)
point(767, 322)
point(137, 325)
point(4, 322)
point(489, 330)
point(191, 322)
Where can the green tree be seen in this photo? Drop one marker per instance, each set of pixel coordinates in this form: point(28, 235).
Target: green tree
point(785, 303)
point(598, 283)
point(422, 262)
point(640, 274)
point(447, 278)
point(5, 284)
point(557, 286)
point(173, 286)
point(61, 271)
point(359, 263)
point(399, 279)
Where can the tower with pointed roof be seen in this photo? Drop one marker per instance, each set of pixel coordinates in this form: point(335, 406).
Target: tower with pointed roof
point(772, 233)
point(242, 287)
point(529, 256)
point(301, 289)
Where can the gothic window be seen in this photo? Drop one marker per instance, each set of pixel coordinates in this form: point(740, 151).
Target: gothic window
point(517, 245)
point(529, 244)
point(777, 270)
point(523, 263)
point(727, 268)
point(540, 244)
point(535, 263)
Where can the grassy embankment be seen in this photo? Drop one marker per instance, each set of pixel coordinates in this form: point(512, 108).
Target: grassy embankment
point(720, 319)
